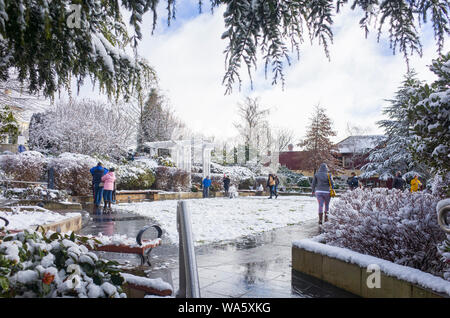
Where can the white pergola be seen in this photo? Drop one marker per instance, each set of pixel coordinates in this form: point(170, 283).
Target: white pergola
point(181, 152)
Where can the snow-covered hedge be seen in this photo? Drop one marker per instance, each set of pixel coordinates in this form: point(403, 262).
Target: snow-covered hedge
point(26, 166)
point(72, 173)
point(171, 179)
point(400, 227)
point(134, 177)
point(444, 250)
point(36, 193)
point(51, 265)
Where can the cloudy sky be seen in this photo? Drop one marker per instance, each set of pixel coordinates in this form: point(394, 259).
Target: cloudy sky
point(188, 58)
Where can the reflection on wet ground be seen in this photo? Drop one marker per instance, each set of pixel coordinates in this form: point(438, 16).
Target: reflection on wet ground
point(250, 267)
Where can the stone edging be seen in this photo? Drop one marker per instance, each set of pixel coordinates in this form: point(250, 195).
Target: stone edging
point(71, 224)
point(348, 270)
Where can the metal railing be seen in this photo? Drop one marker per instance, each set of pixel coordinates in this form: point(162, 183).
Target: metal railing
point(443, 209)
point(188, 281)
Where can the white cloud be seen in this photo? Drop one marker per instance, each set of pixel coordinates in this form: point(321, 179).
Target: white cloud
point(189, 61)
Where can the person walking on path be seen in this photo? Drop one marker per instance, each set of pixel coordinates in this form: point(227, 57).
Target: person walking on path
point(399, 182)
point(271, 185)
point(108, 187)
point(206, 185)
point(226, 184)
point(415, 184)
point(353, 182)
point(277, 182)
point(321, 186)
point(97, 173)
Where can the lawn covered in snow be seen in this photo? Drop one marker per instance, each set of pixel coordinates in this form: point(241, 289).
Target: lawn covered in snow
point(219, 219)
point(30, 219)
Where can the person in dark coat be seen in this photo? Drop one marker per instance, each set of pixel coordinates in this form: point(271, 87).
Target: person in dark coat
point(399, 182)
point(353, 182)
point(97, 173)
point(226, 184)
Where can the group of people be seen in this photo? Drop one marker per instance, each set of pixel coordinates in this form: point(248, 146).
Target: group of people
point(103, 187)
point(399, 183)
point(226, 185)
point(323, 185)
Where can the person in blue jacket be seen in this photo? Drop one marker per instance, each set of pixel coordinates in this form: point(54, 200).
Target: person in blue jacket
point(206, 185)
point(97, 173)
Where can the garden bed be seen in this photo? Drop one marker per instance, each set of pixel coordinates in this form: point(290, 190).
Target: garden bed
point(347, 269)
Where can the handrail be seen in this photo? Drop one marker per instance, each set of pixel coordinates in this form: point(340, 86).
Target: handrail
point(188, 274)
point(443, 209)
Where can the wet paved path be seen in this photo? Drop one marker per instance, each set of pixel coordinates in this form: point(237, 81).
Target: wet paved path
point(253, 267)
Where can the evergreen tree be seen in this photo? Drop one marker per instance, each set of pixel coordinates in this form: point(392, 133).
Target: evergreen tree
point(317, 141)
point(157, 121)
point(395, 152)
point(51, 41)
point(8, 123)
point(430, 118)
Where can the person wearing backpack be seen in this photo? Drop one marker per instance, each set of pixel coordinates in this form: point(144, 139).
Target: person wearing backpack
point(353, 182)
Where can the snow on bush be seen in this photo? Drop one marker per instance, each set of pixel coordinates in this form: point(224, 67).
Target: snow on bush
point(171, 179)
point(134, 177)
point(34, 264)
point(25, 166)
point(400, 227)
point(72, 173)
point(440, 186)
point(444, 250)
point(36, 193)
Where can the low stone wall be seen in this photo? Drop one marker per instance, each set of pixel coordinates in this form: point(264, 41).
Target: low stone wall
point(349, 270)
point(73, 224)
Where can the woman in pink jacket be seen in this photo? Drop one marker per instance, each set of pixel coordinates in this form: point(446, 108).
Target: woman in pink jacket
point(108, 179)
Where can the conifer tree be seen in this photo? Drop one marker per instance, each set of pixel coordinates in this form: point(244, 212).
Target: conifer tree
point(430, 117)
point(317, 141)
point(395, 153)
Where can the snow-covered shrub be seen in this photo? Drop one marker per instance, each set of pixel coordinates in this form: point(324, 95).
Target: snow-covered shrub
point(134, 177)
point(440, 185)
point(444, 250)
point(171, 179)
point(400, 227)
point(72, 173)
point(36, 193)
point(25, 166)
point(163, 178)
point(246, 183)
point(164, 161)
point(34, 264)
point(216, 186)
point(180, 180)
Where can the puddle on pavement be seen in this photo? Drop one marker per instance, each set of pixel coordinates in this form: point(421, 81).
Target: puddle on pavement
point(164, 258)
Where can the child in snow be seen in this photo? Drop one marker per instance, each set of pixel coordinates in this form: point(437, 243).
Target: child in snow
point(108, 180)
point(415, 184)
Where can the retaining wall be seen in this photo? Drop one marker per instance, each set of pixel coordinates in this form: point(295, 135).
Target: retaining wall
point(348, 270)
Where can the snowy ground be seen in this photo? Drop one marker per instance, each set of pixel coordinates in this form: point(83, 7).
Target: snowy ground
point(29, 219)
point(220, 219)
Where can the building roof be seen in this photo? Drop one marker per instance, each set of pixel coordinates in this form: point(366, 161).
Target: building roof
point(359, 144)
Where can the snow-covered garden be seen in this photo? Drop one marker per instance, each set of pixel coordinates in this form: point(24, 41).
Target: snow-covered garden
point(224, 219)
